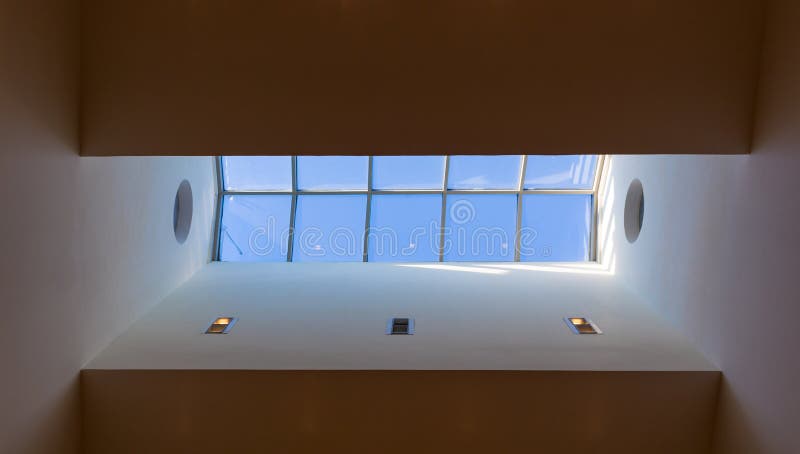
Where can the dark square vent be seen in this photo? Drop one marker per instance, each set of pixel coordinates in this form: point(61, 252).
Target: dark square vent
point(400, 325)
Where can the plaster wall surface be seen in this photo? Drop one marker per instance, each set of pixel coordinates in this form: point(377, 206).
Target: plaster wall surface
point(468, 317)
point(718, 254)
point(87, 243)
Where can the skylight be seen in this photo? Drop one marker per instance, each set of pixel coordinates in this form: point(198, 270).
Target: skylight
point(407, 208)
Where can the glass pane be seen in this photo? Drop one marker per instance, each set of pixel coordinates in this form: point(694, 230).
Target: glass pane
point(318, 173)
point(257, 173)
point(329, 228)
point(408, 172)
point(555, 227)
point(405, 228)
point(254, 228)
point(560, 172)
point(480, 227)
point(484, 172)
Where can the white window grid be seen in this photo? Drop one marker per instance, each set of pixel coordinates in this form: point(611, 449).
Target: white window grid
point(520, 191)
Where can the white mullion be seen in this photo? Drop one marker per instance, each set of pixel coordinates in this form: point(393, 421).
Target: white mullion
point(369, 209)
point(518, 232)
point(444, 207)
point(594, 247)
point(217, 243)
point(293, 212)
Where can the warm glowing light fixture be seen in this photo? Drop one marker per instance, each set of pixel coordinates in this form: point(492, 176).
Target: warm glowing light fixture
point(582, 325)
point(221, 325)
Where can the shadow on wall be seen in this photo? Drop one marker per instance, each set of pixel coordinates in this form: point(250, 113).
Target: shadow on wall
point(53, 427)
point(731, 416)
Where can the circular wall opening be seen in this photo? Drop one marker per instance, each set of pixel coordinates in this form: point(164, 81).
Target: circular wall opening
point(182, 212)
point(634, 211)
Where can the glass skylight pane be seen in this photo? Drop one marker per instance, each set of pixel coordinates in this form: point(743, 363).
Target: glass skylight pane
point(405, 228)
point(329, 228)
point(555, 227)
point(257, 173)
point(560, 172)
point(480, 227)
point(484, 172)
point(408, 172)
point(326, 173)
point(255, 228)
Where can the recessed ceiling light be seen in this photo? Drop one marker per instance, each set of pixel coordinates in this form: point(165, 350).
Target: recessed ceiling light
point(221, 325)
point(582, 325)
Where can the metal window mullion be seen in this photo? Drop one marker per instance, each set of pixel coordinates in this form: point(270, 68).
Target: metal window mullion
point(601, 160)
point(405, 191)
point(444, 207)
point(594, 247)
point(415, 192)
point(293, 212)
point(369, 207)
point(518, 232)
point(257, 193)
point(218, 209)
point(558, 191)
point(520, 192)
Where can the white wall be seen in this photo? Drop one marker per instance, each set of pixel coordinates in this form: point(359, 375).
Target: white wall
point(87, 243)
point(333, 316)
point(719, 254)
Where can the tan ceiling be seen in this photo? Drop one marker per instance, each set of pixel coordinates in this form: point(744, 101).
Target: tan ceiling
point(418, 76)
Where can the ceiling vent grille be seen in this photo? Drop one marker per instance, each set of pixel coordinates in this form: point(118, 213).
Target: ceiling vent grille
point(400, 326)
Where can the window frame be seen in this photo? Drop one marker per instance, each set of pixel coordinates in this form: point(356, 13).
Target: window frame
point(520, 192)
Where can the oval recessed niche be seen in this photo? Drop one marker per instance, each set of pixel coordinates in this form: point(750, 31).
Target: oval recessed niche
point(182, 212)
point(634, 211)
